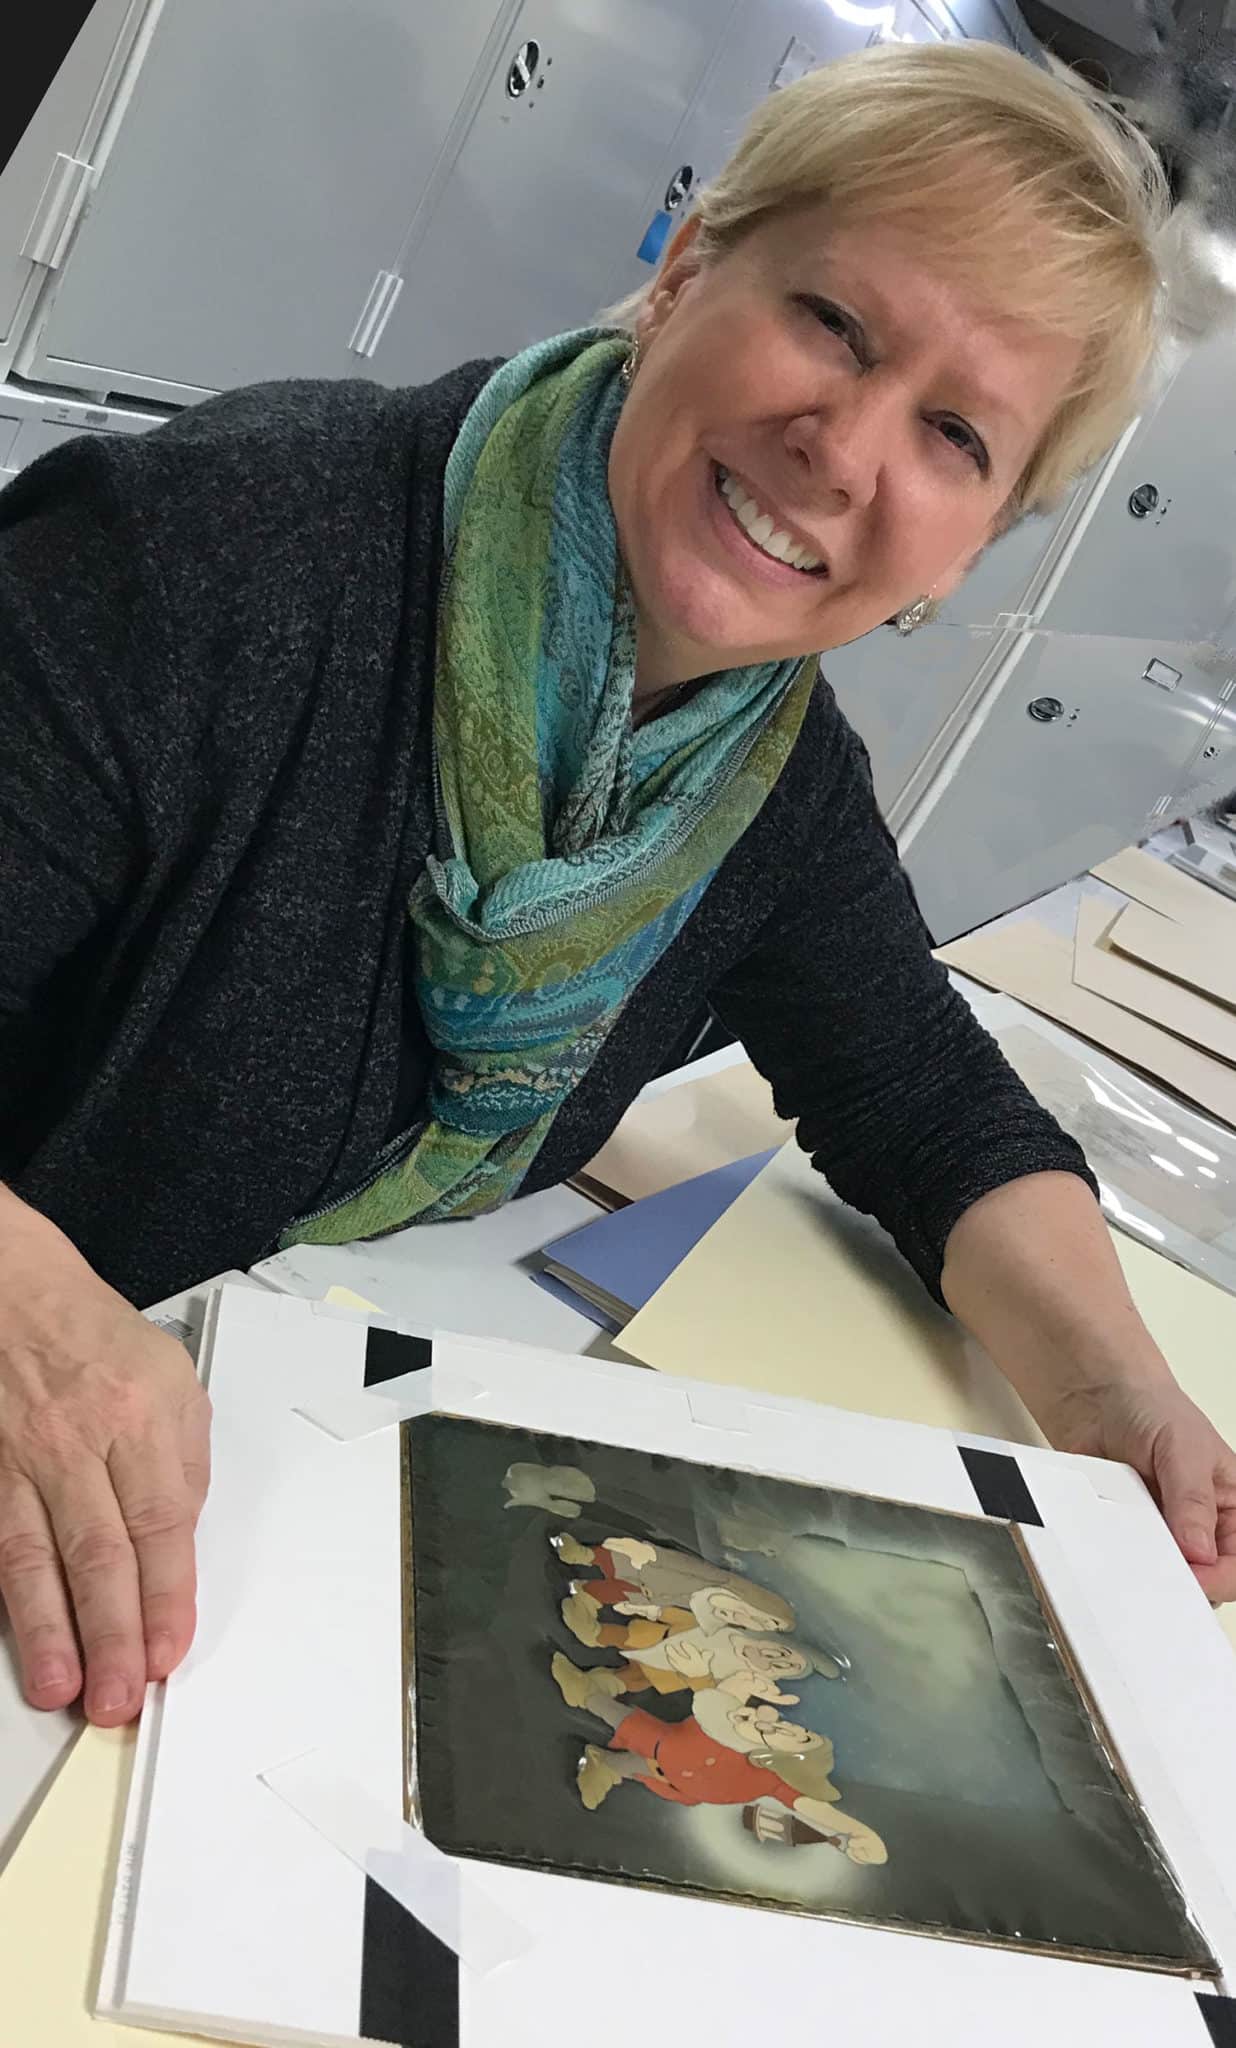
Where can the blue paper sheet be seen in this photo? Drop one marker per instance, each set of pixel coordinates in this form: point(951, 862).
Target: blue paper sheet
point(632, 1252)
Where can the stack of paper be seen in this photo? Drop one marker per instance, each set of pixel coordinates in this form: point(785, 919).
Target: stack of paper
point(1153, 980)
point(671, 1136)
point(610, 1268)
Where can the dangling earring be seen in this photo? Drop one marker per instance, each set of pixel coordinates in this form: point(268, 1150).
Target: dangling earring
point(631, 363)
point(912, 616)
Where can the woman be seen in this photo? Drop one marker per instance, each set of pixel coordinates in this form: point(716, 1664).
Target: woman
point(388, 777)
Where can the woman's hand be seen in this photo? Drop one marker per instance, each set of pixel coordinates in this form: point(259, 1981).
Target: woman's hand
point(1183, 1459)
point(104, 1465)
point(1031, 1269)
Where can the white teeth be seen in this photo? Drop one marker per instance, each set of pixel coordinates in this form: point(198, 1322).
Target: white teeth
point(758, 526)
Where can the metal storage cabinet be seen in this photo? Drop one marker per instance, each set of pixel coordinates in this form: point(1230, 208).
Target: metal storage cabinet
point(1171, 571)
point(280, 171)
point(308, 153)
point(60, 117)
point(1032, 801)
point(900, 695)
point(265, 170)
point(556, 181)
point(1036, 803)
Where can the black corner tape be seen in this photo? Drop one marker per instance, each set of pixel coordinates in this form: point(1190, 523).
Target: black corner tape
point(409, 1979)
point(1002, 1491)
point(1219, 2015)
point(389, 1354)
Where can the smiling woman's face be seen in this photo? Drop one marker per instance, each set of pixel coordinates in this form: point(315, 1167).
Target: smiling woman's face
point(821, 390)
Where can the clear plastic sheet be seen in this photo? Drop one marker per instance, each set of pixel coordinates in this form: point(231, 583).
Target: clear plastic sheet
point(738, 1686)
point(1166, 1173)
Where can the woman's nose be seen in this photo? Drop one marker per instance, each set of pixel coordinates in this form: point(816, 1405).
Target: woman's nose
point(841, 447)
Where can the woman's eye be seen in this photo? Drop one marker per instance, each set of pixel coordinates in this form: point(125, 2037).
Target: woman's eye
point(960, 436)
point(833, 318)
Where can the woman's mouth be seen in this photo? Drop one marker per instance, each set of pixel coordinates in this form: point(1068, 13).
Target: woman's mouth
point(760, 527)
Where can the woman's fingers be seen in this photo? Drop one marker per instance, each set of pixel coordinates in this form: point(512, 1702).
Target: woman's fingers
point(33, 1591)
point(194, 1438)
point(1218, 1580)
point(1185, 1474)
point(159, 1515)
point(113, 1545)
point(101, 1571)
point(1195, 1478)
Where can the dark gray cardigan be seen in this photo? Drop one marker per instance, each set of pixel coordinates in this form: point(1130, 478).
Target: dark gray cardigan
point(216, 660)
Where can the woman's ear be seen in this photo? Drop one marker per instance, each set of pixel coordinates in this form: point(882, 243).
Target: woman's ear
point(679, 265)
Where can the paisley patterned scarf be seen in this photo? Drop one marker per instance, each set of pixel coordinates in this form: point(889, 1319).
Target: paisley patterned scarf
point(571, 849)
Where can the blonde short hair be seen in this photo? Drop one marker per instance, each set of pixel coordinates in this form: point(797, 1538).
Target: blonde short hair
point(1030, 190)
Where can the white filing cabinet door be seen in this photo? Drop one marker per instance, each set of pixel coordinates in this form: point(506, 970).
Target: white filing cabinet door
point(1030, 802)
point(53, 72)
point(265, 170)
point(899, 693)
point(1171, 572)
point(551, 182)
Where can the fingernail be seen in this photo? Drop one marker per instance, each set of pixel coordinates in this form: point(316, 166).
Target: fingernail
point(50, 1674)
point(108, 1696)
point(159, 1655)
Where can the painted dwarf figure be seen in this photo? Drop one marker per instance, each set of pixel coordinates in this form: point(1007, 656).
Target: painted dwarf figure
point(727, 1754)
point(657, 1592)
point(748, 1667)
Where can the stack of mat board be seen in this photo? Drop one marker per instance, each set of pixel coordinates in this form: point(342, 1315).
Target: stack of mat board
point(610, 1268)
point(1152, 980)
point(671, 1135)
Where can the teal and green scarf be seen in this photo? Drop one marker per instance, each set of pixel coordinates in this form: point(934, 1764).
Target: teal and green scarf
point(571, 848)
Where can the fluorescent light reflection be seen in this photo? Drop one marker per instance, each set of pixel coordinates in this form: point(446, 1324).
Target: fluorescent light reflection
point(1126, 1219)
point(1199, 1151)
point(1168, 1165)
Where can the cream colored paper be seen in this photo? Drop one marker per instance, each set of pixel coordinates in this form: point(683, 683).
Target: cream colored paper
point(344, 1297)
point(686, 1131)
point(1173, 949)
point(1182, 1011)
point(54, 1898)
point(1161, 887)
point(793, 1294)
point(1036, 965)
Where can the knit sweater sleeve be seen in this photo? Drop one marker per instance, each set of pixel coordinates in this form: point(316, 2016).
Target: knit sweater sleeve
point(69, 844)
point(904, 1102)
